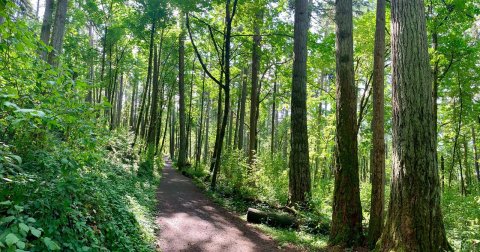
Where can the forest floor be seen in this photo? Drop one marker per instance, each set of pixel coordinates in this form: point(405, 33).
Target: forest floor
point(190, 221)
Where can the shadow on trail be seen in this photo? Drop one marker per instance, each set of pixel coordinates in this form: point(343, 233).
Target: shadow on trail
point(189, 221)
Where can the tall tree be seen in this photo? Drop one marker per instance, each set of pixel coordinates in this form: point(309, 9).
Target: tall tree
point(47, 26)
point(347, 209)
point(414, 220)
point(378, 140)
point(58, 32)
point(475, 154)
point(299, 173)
point(254, 93)
point(182, 154)
point(242, 111)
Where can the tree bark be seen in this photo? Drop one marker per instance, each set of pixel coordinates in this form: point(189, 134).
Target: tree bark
point(58, 32)
point(378, 140)
point(274, 117)
point(172, 132)
point(119, 103)
point(414, 220)
point(46, 26)
point(347, 209)
point(182, 155)
point(254, 100)
point(242, 112)
point(475, 155)
point(299, 174)
point(207, 129)
point(466, 164)
point(198, 153)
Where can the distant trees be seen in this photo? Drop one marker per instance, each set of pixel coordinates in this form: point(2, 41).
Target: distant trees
point(414, 220)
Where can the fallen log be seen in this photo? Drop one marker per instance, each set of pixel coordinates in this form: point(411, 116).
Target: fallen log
point(271, 219)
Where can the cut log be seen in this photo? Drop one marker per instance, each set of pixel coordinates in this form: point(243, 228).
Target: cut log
point(271, 219)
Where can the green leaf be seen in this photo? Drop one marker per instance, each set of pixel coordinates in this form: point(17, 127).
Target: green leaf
point(32, 112)
point(11, 239)
point(5, 203)
point(23, 227)
point(30, 219)
point(11, 105)
point(18, 158)
point(37, 233)
point(20, 244)
point(7, 219)
point(51, 244)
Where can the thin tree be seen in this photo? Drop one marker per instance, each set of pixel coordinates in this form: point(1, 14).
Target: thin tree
point(378, 139)
point(182, 154)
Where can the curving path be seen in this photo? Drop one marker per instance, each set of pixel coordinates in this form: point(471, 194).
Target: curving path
point(189, 221)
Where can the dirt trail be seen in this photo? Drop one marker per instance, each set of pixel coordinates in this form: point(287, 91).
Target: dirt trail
point(189, 221)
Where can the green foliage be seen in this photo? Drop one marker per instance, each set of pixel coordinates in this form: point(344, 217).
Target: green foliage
point(462, 219)
point(19, 231)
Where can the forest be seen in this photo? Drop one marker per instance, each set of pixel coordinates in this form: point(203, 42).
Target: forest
point(273, 125)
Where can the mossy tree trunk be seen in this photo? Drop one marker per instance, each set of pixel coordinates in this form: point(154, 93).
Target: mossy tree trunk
point(347, 210)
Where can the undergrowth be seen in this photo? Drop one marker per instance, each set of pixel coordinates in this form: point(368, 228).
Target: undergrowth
point(73, 200)
point(267, 189)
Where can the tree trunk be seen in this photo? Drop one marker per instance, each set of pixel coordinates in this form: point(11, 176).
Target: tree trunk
point(145, 90)
point(475, 155)
point(46, 26)
point(242, 112)
point(462, 180)
point(274, 118)
point(254, 96)
point(119, 102)
point(172, 133)
point(58, 32)
point(347, 209)
point(271, 219)
point(414, 220)
point(91, 73)
point(457, 135)
point(468, 178)
point(189, 123)
point(378, 140)
point(198, 153)
point(227, 38)
point(217, 132)
point(230, 130)
point(237, 117)
point(207, 129)
point(442, 176)
point(299, 173)
point(133, 105)
point(181, 91)
point(153, 127)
